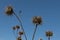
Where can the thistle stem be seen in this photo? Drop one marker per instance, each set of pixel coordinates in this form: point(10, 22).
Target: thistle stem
point(49, 38)
point(21, 25)
point(34, 32)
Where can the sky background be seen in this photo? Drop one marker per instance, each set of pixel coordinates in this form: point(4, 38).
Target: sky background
point(49, 10)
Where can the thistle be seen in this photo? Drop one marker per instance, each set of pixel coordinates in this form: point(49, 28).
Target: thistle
point(20, 33)
point(37, 20)
point(19, 38)
point(49, 34)
point(16, 27)
point(9, 10)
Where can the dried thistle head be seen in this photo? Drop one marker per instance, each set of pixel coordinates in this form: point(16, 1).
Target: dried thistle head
point(21, 33)
point(19, 38)
point(9, 10)
point(17, 27)
point(49, 33)
point(37, 20)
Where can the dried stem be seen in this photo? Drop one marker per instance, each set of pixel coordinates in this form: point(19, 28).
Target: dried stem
point(49, 38)
point(21, 25)
point(34, 32)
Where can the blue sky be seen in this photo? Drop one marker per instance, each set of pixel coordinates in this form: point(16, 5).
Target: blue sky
point(49, 10)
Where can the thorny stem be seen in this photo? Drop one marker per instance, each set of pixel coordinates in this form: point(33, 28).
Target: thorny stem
point(21, 25)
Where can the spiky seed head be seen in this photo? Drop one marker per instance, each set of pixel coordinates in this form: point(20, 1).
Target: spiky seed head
point(9, 10)
point(49, 33)
point(21, 33)
point(17, 27)
point(37, 20)
point(19, 38)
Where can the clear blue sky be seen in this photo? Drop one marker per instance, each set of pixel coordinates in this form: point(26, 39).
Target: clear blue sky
point(49, 10)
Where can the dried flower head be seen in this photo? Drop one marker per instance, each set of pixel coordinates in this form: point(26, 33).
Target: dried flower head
point(20, 33)
point(17, 27)
point(9, 10)
point(49, 33)
point(19, 38)
point(37, 20)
